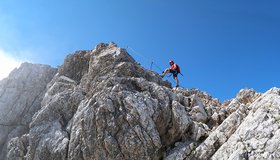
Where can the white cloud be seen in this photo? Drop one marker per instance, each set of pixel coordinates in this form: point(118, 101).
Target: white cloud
point(7, 64)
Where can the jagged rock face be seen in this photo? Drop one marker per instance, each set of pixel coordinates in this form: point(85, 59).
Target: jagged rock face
point(20, 97)
point(111, 112)
point(103, 105)
point(259, 134)
point(244, 97)
point(250, 132)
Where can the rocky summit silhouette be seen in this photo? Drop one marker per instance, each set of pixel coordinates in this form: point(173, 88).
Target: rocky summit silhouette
point(101, 104)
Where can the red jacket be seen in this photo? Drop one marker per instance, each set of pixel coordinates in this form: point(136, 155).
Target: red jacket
point(175, 67)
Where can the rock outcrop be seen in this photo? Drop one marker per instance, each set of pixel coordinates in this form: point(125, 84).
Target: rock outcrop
point(102, 104)
point(20, 98)
point(258, 135)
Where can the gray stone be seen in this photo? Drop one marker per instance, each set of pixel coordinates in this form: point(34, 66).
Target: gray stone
point(259, 132)
point(102, 104)
point(20, 97)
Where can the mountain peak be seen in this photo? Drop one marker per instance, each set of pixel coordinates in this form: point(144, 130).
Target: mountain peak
point(101, 104)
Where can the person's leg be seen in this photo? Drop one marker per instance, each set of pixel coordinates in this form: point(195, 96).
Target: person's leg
point(166, 71)
point(175, 76)
point(177, 81)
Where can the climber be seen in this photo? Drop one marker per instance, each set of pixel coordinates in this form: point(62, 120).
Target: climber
point(174, 69)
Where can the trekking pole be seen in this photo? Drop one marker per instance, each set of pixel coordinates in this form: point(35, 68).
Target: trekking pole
point(151, 68)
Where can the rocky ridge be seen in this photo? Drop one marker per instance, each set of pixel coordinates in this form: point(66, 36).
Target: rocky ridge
point(20, 98)
point(102, 104)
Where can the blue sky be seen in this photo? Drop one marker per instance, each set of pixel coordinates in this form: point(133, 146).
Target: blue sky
point(221, 46)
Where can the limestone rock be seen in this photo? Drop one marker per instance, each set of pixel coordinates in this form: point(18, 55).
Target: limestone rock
point(17, 147)
point(244, 97)
point(109, 110)
point(20, 97)
point(102, 104)
point(219, 136)
point(259, 134)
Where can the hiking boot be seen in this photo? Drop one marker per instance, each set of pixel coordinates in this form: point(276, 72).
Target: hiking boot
point(162, 74)
point(177, 86)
